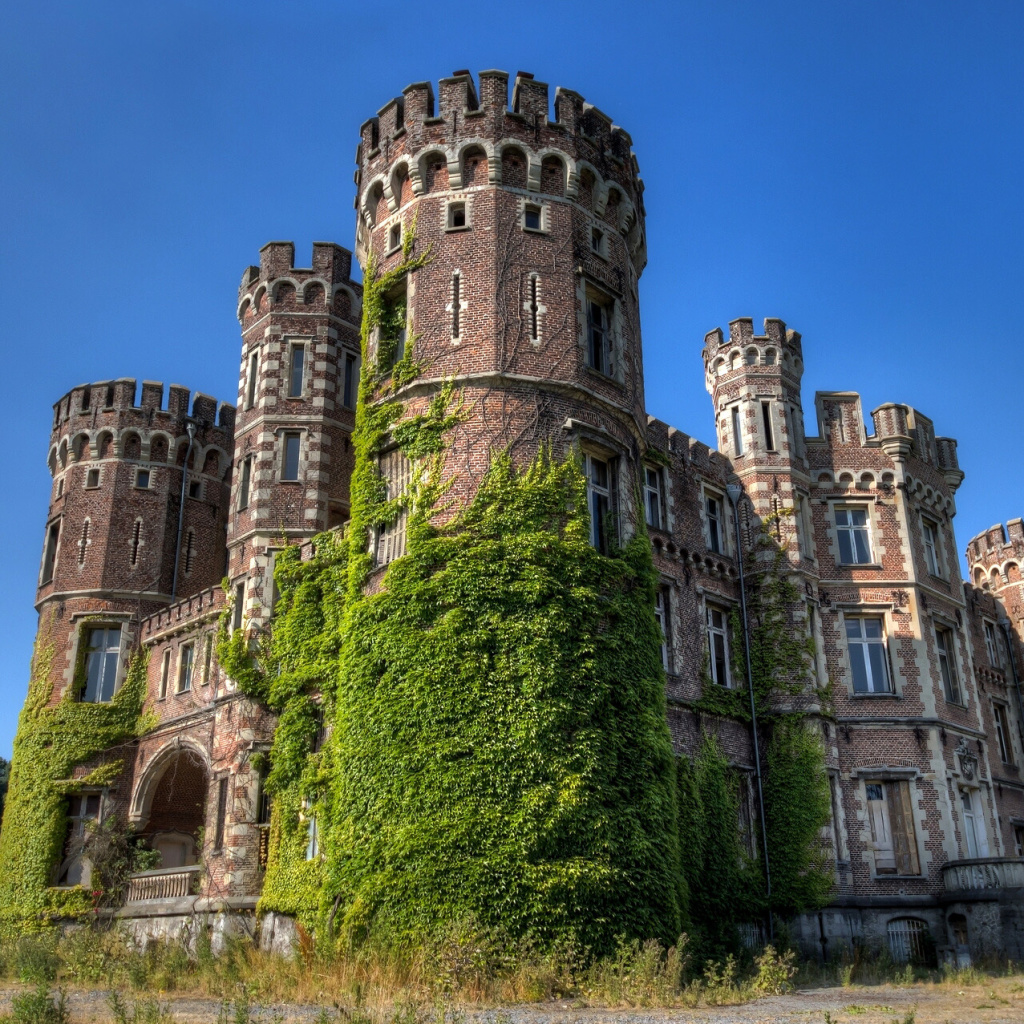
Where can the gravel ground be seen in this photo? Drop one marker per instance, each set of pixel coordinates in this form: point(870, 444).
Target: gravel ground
point(1000, 1001)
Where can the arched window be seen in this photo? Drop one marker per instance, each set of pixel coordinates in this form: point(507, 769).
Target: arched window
point(908, 940)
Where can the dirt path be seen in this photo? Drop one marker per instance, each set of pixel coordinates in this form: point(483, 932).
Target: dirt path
point(998, 1001)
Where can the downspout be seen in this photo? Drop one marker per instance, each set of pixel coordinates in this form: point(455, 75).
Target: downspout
point(191, 428)
point(735, 491)
point(1005, 624)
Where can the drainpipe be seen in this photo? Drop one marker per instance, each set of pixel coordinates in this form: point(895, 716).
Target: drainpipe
point(1005, 624)
point(191, 428)
point(735, 491)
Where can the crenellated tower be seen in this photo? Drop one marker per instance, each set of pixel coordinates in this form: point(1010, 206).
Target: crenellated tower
point(297, 388)
point(120, 511)
point(534, 221)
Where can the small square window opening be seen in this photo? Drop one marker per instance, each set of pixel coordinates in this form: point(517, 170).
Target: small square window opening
point(92, 478)
point(142, 478)
point(456, 216)
point(532, 217)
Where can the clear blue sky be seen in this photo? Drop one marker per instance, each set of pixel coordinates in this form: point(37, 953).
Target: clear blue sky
point(854, 168)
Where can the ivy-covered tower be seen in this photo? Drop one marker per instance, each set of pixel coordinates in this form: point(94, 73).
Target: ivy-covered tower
point(533, 219)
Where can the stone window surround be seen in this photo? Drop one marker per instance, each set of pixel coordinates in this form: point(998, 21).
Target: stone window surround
point(889, 773)
point(726, 525)
point(290, 343)
point(706, 601)
point(941, 561)
point(878, 610)
point(874, 531)
point(940, 621)
point(81, 622)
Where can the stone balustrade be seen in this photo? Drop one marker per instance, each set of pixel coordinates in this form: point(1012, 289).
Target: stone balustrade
point(983, 873)
point(164, 883)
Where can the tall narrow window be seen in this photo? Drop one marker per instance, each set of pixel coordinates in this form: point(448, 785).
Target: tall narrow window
point(83, 544)
point(718, 645)
point(312, 832)
point(854, 541)
point(664, 620)
point(86, 398)
point(109, 402)
point(290, 460)
point(165, 671)
point(50, 552)
point(456, 303)
point(602, 504)
point(393, 327)
point(534, 309)
point(737, 430)
point(946, 649)
point(220, 823)
point(250, 394)
point(207, 659)
point(769, 433)
point(395, 470)
point(599, 334)
point(597, 240)
point(190, 551)
point(245, 483)
point(992, 646)
point(187, 657)
point(1002, 733)
point(349, 392)
point(136, 541)
point(394, 237)
point(869, 660)
point(974, 824)
point(891, 816)
point(713, 511)
point(102, 653)
point(652, 497)
point(238, 610)
point(929, 536)
point(295, 371)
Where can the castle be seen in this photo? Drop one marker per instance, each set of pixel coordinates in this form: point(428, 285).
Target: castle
point(534, 219)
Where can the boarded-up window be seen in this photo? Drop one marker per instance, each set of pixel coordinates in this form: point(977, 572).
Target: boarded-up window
point(891, 814)
point(395, 470)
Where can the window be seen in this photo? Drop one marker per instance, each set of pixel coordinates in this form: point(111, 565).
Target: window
point(142, 478)
point(83, 544)
point(532, 217)
point(86, 398)
point(992, 646)
point(395, 470)
point(869, 658)
point(854, 543)
point(769, 433)
point(393, 327)
point(165, 671)
point(718, 645)
point(908, 940)
point(245, 483)
point(250, 394)
point(597, 241)
point(456, 216)
point(1018, 840)
point(60, 487)
point(290, 453)
point(1002, 733)
point(220, 822)
point(207, 660)
point(599, 332)
point(295, 370)
point(186, 661)
point(891, 816)
point(802, 532)
point(195, 489)
point(92, 478)
point(715, 524)
point(602, 503)
point(946, 649)
point(81, 809)
point(394, 237)
point(974, 823)
point(745, 816)
point(534, 307)
point(312, 832)
point(349, 393)
point(652, 497)
point(456, 304)
point(737, 430)
point(930, 538)
point(238, 609)
point(50, 552)
point(108, 402)
point(663, 616)
point(102, 653)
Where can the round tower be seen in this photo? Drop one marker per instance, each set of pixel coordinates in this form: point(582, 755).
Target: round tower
point(533, 220)
point(297, 388)
point(995, 559)
point(120, 510)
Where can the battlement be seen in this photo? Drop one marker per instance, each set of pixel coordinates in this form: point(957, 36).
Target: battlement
point(741, 349)
point(993, 546)
point(487, 117)
point(276, 281)
point(120, 403)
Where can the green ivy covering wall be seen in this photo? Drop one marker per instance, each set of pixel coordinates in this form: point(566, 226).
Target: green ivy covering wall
point(499, 750)
point(51, 741)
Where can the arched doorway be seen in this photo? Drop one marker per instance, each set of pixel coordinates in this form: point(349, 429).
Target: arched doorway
point(170, 805)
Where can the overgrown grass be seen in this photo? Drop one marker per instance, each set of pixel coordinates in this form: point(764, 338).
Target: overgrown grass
point(461, 967)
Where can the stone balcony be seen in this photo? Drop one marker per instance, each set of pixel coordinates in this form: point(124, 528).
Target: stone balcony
point(164, 884)
point(983, 874)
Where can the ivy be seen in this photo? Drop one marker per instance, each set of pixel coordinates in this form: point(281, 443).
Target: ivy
point(51, 741)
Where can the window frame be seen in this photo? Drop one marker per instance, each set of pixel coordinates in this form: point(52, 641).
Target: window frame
point(350, 380)
point(599, 338)
point(288, 437)
point(864, 641)
point(654, 492)
point(712, 630)
point(992, 646)
point(245, 483)
point(951, 687)
point(663, 616)
point(105, 652)
point(852, 531)
point(295, 347)
point(394, 245)
point(389, 539)
point(143, 472)
point(186, 667)
point(736, 429)
point(93, 478)
point(910, 854)
point(51, 552)
point(603, 501)
point(453, 207)
point(252, 382)
point(530, 206)
point(973, 822)
point(1004, 737)
point(717, 540)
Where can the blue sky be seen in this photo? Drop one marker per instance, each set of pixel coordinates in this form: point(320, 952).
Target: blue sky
point(853, 168)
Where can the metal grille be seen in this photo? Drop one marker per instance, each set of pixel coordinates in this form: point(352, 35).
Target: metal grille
point(907, 937)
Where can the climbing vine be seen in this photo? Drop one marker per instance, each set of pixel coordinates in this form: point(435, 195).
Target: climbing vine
point(51, 741)
point(496, 743)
